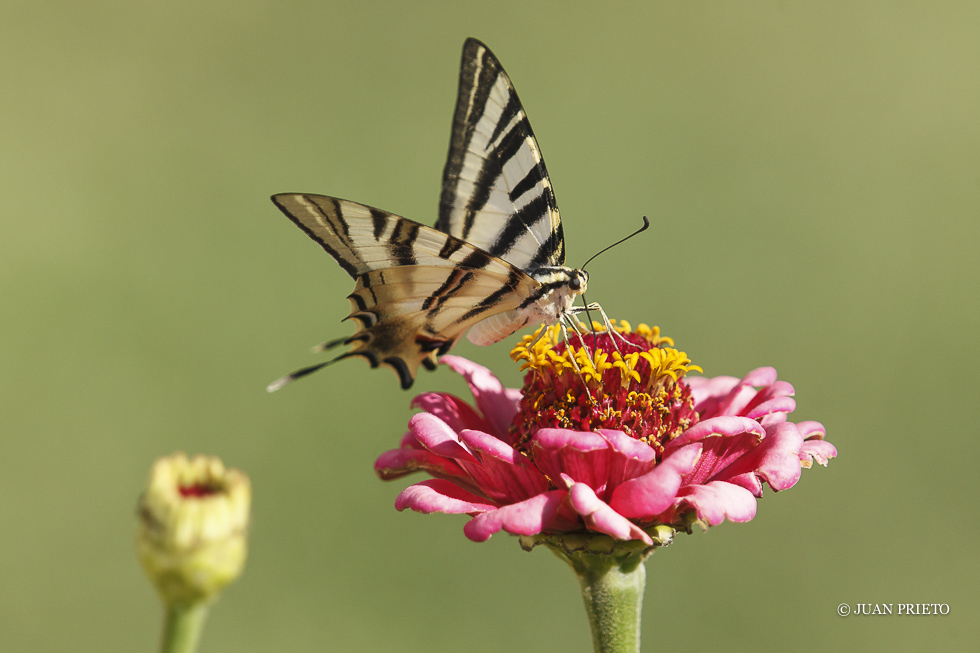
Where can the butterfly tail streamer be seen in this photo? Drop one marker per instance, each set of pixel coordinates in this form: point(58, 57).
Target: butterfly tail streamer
point(283, 381)
point(330, 344)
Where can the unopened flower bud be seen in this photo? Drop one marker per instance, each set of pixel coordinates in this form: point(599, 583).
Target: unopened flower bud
point(193, 527)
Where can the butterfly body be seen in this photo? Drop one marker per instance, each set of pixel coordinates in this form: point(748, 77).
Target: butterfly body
point(494, 261)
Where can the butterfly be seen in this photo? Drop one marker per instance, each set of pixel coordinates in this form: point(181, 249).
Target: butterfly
point(493, 263)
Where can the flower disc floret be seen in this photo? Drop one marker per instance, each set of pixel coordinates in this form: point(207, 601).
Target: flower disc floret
point(630, 382)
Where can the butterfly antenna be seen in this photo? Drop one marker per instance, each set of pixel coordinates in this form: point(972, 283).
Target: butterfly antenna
point(588, 315)
point(646, 225)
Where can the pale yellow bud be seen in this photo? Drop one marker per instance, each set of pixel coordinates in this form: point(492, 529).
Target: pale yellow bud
point(193, 527)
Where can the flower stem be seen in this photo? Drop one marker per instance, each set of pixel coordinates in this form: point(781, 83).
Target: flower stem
point(612, 577)
point(613, 596)
point(183, 627)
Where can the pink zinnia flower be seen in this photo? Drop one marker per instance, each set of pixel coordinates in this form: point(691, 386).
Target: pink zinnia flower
point(613, 443)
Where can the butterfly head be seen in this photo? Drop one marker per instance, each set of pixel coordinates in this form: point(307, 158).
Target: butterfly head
point(554, 297)
point(568, 284)
point(578, 280)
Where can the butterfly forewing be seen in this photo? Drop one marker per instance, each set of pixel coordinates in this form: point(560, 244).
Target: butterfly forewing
point(496, 192)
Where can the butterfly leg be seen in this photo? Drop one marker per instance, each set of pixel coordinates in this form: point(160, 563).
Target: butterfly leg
point(607, 323)
point(540, 334)
point(578, 328)
point(613, 333)
point(568, 348)
point(582, 328)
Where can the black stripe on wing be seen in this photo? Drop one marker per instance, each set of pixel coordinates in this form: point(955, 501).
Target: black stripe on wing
point(552, 249)
point(492, 300)
point(471, 96)
point(402, 241)
point(526, 216)
point(348, 264)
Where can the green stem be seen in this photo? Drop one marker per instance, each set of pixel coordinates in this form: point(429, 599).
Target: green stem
point(613, 598)
point(612, 577)
point(183, 627)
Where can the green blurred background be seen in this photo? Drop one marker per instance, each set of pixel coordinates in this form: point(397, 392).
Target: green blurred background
point(813, 175)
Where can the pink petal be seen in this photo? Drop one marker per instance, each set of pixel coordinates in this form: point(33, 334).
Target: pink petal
point(601, 460)
point(718, 501)
point(772, 419)
point(771, 406)
point(776, 460)
point(704, 388)
point(437, 495)
point(436, 436)
point(409, 441)
point(401, 462)
point(630, 447)
point(581, 454)
point(779, 455)
point(779, 389)
point(450, 409)
point(556, 439)
point(810, 429)
point(749, 481)
point(631, 458)
point(820, 451)
point(497, 403)
point(727, 426)
point(528, 517)
point(761, 376)
point(652, 493)
point(740, 397)
point(775, 390)
point(503, 474)
point(478, 441)
point(598, 516)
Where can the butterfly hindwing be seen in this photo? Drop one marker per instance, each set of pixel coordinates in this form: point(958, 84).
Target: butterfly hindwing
point(418, 289)
point(496, 193)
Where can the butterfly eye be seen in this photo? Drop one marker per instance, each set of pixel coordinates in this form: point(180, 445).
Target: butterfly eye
point(575, 283)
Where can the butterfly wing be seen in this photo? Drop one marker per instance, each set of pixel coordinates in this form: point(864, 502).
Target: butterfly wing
point(496, 193)
point(418, 289)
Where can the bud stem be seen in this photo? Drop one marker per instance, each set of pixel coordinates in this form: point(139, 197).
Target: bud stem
point(183, 627)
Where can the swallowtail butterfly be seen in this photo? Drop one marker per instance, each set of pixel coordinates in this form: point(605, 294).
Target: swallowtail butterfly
point(494, 261)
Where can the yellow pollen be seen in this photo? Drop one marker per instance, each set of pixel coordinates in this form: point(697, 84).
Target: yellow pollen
point(538, 353)
point(627, 364)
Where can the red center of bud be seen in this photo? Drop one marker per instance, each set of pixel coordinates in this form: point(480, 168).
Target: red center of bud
point(197, 491)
